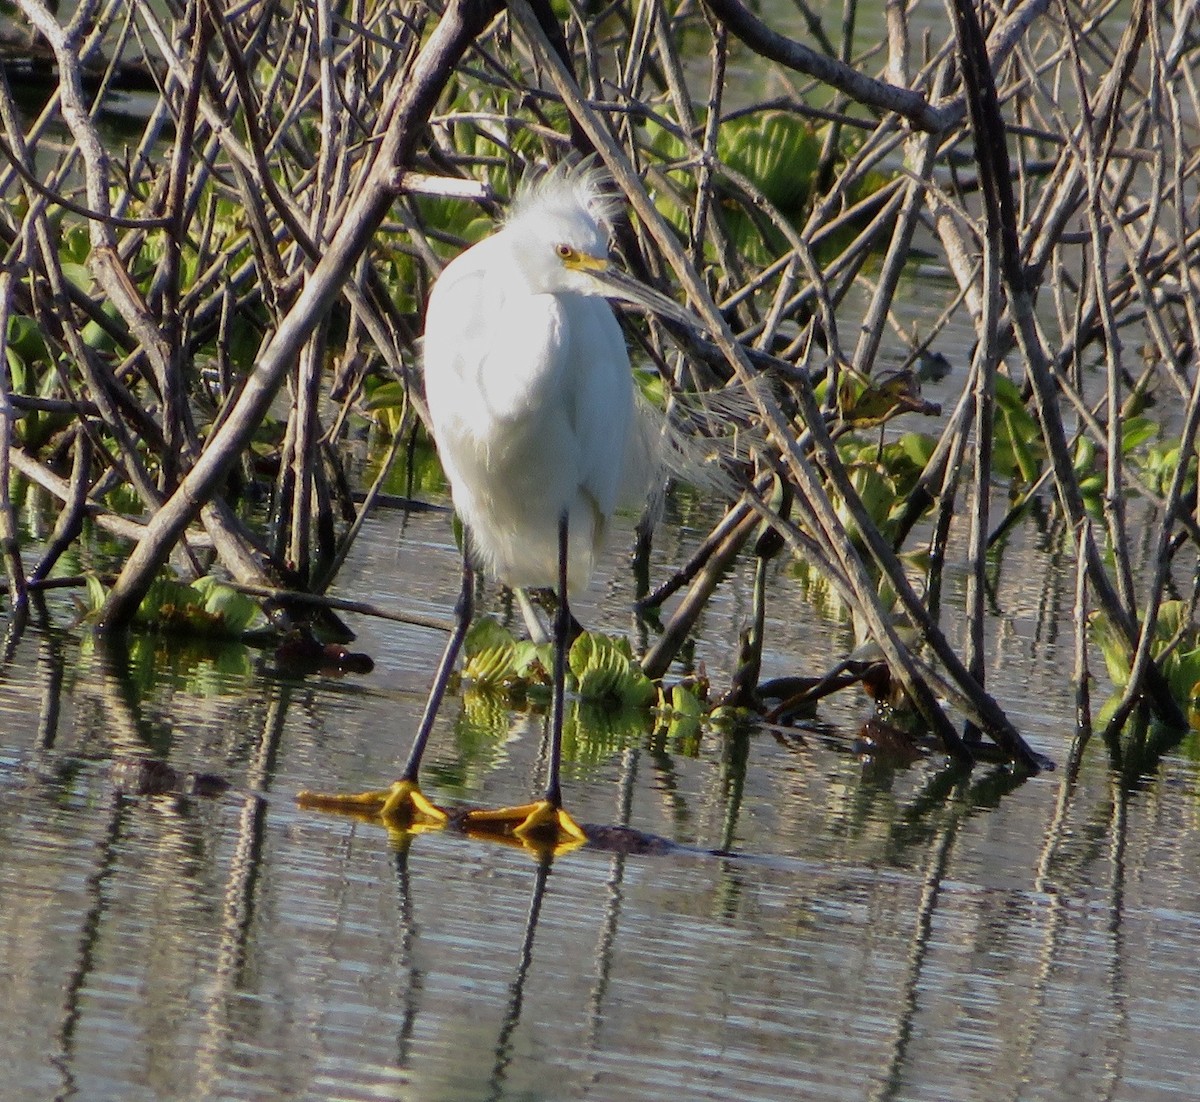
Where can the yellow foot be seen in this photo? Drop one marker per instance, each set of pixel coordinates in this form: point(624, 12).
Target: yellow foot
point(403, 804)
point(529, 822)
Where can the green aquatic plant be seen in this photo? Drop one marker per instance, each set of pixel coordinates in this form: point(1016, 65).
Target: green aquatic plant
point(1161, 460)
point(615, 703)
point(682, 712)
point(1017, 448)
point(495, 660)
point(31, 373)
point(605, 671)
point(778, 153)
point(601, 670)
point(1175, 648)
point(385, 402)
point(205, 607)
point(883, 476)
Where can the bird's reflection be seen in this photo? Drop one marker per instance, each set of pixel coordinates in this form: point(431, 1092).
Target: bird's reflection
point(409, 934)
point(407, 931)
point(607, 938)
point(516, 989)
point(618, 839)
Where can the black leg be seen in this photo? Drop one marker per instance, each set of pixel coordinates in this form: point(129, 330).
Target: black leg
point(546, 819)
point(463, 610)
point(562, 632)
point(404, 804)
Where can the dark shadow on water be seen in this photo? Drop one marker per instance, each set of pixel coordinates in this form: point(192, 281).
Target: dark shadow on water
point(408, 933)
point(80, 976)
point(516, 990)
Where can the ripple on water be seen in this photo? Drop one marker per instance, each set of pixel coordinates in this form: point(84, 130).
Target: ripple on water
point(884, 932)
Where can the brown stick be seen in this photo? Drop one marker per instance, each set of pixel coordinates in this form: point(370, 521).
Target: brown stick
point(463, 20)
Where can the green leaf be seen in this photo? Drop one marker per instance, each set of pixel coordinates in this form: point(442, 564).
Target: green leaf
point(777, 150)
point(918, 447)
point(1181, 667)
point(604, 670)
point(1018, 438)
point(78, 274)
point(1135, 431)
point(25, 338)
point(234, 611)
point(75, 247)
point(206, 608)
point(1085, 455)
point(1113, 647)
point(686, 703)
point(1026, 463)
point(490, 652)
point(96, 592)
point(388, 402)
point(17, 371)
point(683, 716)
point(875, 489)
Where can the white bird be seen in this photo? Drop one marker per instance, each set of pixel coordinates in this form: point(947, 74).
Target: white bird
point(533, 410)
point(530, 392)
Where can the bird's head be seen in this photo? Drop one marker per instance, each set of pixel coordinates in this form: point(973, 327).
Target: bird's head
point(559, 228)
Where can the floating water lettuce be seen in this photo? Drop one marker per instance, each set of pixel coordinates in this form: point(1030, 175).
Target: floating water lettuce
point(206, 607)
point(1181, 667)
point(605, 670)
point(495, 659)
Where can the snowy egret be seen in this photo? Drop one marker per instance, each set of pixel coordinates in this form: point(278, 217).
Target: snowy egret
point(533, 410)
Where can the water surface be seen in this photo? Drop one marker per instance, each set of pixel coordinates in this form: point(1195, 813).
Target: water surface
point(877, 929)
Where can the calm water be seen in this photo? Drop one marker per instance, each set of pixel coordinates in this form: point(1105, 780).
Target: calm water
point(877, 930)
point(880, 931)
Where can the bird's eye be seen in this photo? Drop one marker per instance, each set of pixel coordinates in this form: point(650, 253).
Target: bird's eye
point(564, 251)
